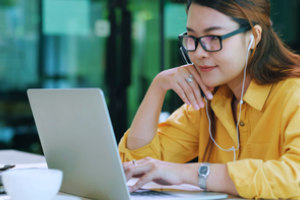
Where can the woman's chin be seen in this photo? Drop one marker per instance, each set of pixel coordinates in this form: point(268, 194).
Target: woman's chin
point(211, 84)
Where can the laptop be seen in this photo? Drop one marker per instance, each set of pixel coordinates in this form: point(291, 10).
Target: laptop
point(77, 137)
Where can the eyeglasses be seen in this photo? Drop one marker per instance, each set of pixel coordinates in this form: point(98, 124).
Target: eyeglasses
point(210, 43)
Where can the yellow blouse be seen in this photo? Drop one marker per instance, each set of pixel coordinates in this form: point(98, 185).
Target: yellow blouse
point(268, 160)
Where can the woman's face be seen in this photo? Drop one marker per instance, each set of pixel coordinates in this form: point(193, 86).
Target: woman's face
point(225, 66)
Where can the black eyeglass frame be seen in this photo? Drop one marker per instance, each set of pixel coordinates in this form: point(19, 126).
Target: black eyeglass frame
point(221, 38)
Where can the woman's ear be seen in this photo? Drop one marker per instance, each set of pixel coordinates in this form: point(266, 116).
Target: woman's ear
point(256, 31)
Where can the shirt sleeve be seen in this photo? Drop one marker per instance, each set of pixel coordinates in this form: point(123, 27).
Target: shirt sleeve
point(273, 179)
point(176, 140)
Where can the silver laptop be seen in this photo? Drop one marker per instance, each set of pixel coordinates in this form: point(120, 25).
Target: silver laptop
point(77, 137)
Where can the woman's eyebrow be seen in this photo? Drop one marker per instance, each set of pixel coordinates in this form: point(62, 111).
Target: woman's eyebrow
point(207, 29)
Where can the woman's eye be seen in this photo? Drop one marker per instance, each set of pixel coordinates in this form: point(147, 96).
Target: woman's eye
point(214, 38)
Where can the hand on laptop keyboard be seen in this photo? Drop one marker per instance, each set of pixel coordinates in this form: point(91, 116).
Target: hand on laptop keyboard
point(149, 169)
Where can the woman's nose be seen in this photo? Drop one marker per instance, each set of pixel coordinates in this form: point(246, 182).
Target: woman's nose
point(200, 52)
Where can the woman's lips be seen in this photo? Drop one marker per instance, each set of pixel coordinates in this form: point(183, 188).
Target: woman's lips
point(207, 68)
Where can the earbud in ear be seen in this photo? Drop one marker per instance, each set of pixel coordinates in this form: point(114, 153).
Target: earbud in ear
point(252, 39)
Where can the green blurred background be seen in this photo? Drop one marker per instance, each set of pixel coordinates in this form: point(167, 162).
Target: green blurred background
point(116, 45)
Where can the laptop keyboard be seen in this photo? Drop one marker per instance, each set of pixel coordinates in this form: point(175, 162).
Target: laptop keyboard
point(151, 194)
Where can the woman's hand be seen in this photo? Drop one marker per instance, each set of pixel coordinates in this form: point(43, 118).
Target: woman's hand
point(167, 173)
point(189, 92)
point(149, 169)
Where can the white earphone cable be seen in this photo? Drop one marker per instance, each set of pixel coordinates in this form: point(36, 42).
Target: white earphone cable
point(240, 111)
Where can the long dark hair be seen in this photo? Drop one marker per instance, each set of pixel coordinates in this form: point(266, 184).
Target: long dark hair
point(271, 61)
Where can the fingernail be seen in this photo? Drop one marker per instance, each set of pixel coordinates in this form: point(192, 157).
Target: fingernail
point(210, 96)
point(188, 103)
point(196, 107)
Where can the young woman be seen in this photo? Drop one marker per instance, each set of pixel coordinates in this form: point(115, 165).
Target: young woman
point(247, 135)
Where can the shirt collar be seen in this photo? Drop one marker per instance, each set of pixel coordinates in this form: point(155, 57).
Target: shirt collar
point(256, 95)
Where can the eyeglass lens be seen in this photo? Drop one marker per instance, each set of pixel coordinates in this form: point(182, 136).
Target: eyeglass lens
point(209, 43)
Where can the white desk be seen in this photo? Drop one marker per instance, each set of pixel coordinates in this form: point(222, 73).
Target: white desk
point(19, 157)
point(24, 160)
point(27, 160)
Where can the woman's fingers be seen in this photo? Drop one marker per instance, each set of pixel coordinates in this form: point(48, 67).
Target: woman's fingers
point(197, 93)
point(135, 162)
point(127, 164)
point(137, 171)
point(187, 78)
point(143, 170)
point(186, 82)
point(182, 94)
point(190, 90)
point(149, 169)
point(207, 90)
point(143, 180)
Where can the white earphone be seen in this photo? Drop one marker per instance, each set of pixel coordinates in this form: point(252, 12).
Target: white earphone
point(251, 41)
point(240, 110)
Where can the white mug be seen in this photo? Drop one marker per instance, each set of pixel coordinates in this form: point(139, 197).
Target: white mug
point(32, 184)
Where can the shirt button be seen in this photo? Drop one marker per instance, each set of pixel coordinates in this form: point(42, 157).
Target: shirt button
point(242, 123)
